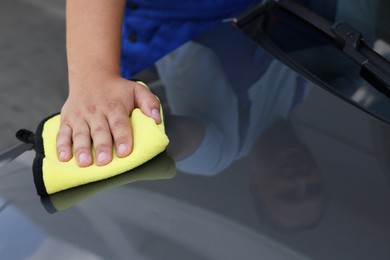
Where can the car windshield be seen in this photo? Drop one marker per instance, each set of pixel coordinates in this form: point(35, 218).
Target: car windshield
point(266, 160)
point(343, 48)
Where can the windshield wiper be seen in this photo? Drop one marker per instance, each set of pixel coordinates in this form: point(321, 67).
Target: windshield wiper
point(374, 68)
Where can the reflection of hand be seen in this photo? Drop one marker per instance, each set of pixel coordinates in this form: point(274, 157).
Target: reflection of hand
point(98, 114)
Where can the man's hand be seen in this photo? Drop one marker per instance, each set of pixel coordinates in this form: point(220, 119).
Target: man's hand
point(99, 116)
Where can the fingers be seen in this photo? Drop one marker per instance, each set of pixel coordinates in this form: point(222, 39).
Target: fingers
point(84, 123)
point(80, 135)
point(82, 144)
point(64, 143)
point(121, 130)
point(100, 130)
point(147, 102)
point(102, 140)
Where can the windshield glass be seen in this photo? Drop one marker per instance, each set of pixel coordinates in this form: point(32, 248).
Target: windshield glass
point(321, 58)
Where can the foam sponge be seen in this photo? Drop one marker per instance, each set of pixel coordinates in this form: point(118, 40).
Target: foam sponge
point(51, 175)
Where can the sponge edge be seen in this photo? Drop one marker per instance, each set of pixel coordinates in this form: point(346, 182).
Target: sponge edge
point(51, 175)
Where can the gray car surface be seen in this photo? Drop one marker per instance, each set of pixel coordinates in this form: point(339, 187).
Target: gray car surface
point(263, 163)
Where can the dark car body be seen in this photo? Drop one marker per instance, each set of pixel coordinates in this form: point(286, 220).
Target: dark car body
point(267, 161)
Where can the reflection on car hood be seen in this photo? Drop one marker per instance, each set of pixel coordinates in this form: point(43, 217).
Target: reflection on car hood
point(267, 164)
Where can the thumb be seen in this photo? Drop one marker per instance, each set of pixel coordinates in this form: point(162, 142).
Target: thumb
point(147, 102)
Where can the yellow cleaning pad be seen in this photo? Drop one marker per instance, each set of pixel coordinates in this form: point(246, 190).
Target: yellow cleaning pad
point(51, 175)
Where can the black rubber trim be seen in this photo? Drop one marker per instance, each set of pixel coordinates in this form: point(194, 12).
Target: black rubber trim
point(39, 156)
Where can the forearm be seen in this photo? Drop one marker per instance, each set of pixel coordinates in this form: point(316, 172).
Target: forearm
point(96, 113)
point(93, 39)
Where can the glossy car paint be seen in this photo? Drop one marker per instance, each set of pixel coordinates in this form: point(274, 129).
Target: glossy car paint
point(257, 175)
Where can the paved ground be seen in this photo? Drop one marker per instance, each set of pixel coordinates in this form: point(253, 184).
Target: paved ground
point(32, 64)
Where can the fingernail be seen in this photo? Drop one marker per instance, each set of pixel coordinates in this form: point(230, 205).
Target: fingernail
point(62, 155)
point(156, 114)
point(122, 149)
point(102, 157)
point(83, 157)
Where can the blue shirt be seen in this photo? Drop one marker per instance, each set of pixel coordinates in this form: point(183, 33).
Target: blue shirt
point(153, 28)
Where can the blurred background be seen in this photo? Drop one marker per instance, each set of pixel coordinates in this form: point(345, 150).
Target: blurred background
point(33, 80)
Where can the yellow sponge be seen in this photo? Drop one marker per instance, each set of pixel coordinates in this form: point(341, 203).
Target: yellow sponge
point(51, 175)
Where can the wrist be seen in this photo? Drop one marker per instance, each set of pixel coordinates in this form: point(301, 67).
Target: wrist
point(91, 76)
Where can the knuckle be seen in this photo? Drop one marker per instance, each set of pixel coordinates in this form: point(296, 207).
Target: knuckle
point(64, 119)
point(91, 109)
point(99, 130)
point(63, 137)
point(148, 99)
point(142, 86)
point(64, 130)
point(119, 124)
point(62, 146)
point(80, 134)
point(155, 101)
point(113, 106)
point(78, 114)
